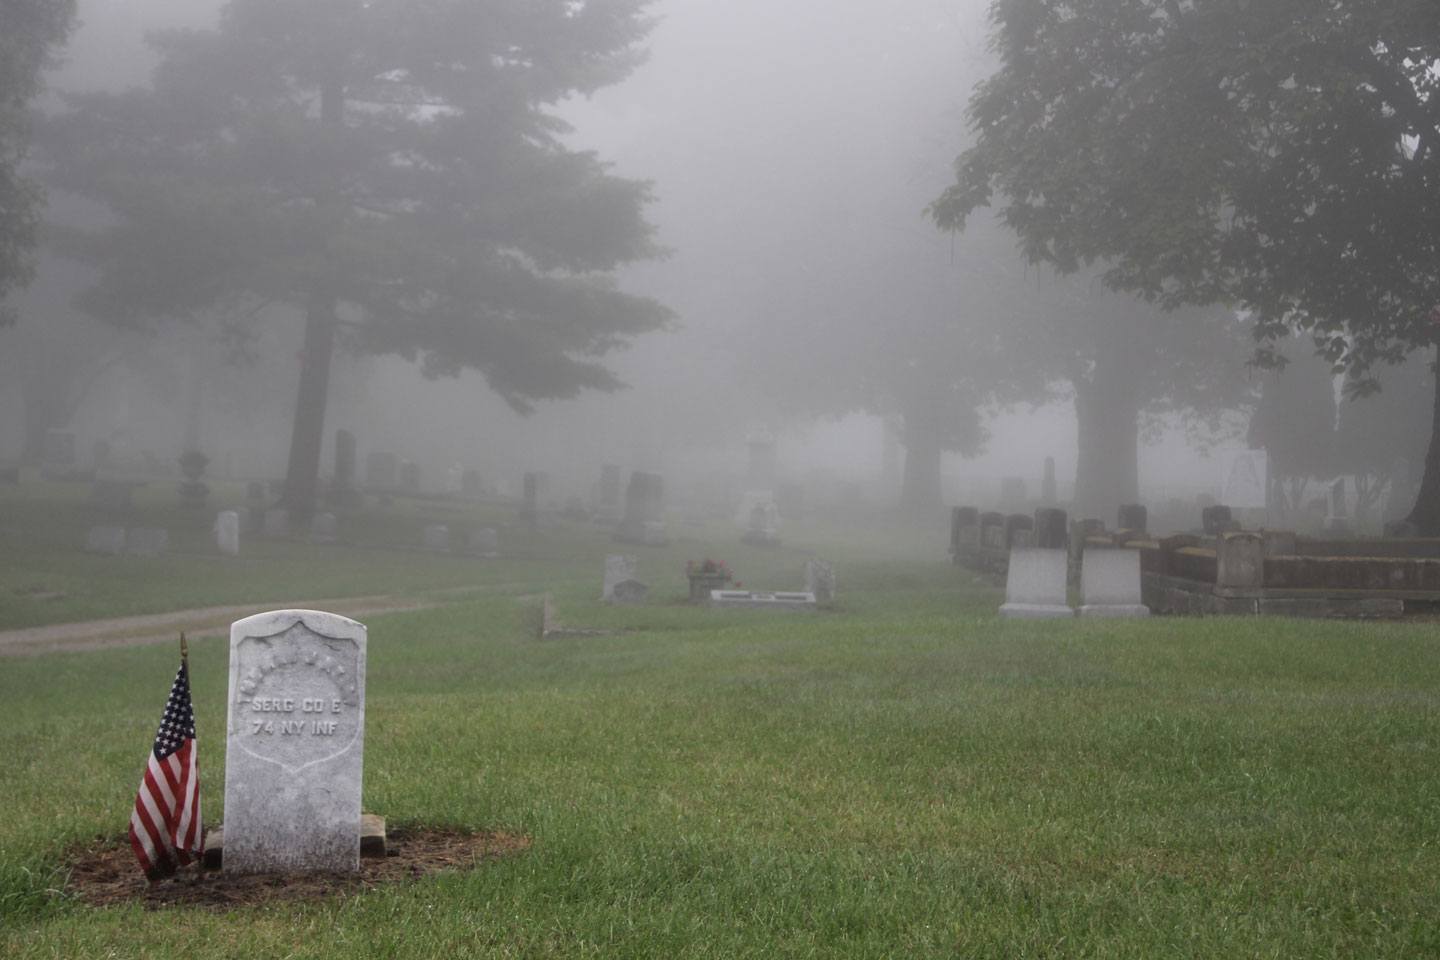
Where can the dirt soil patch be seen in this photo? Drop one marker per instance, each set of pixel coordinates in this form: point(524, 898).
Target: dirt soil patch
point(105, 873)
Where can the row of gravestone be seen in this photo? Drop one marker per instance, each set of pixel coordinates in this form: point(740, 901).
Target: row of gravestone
point(1037, 583)
point(973, 532)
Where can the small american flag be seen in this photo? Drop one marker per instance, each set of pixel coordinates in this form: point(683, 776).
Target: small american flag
point(165, 828)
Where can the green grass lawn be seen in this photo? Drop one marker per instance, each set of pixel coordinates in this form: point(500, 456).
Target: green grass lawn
point(904, 776)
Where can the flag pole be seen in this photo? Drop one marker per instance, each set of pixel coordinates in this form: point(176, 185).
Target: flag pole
point(184, 653)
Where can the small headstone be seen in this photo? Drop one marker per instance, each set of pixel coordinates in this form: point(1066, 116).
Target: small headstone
point(436, 536)
point(629, 592)
point(277, 522)
point(617, 569)
point(1110, 584)
point(147, 541)
point(105, 539)
point(294, 745)
point(323, 528)
point(1052, 528)
point(1217, 519)
point(820, 580)
point(1035, 584)
point(227, 532)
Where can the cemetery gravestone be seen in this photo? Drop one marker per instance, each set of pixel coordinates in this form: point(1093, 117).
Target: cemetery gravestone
point(1035, 584)
point(294, 743)
point(629, 593)
point(227, 533)
point(1052, 528)
point(1110, 584)
point(760, 600)
point(617, 569)
point(820, 580)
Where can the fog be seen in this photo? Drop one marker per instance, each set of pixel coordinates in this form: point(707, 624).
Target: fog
point(791, 150)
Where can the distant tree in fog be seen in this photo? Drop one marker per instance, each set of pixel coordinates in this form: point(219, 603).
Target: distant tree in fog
point(29, 32)
point(1282, 156)
point(388, 167)
point(1381, 438)
point(1295, 423)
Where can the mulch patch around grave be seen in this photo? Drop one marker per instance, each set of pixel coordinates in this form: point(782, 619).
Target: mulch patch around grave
point(104, 873)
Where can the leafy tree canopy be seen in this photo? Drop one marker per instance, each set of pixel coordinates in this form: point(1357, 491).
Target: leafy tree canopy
point(1280, 154)
point(391, 159)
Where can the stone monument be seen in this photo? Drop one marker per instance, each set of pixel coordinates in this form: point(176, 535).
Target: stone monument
point(227, 532)
point(617, 569)
point(295, 740)
point(1035, 584)
point(1110, 584)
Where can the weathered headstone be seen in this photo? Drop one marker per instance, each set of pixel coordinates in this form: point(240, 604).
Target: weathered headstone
point(629, 593)
point(1035, 584)
point(644, 510)
point(227, 532)
point(147, 541)
point(1052, 528)
point(820, 580)
point(1217, 519)
point(105, 539)
point(1110, 584)
point(295, 742)
point(617, 568)
point(436, 536)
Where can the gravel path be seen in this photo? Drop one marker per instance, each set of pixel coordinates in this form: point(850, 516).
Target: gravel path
point(166, 627)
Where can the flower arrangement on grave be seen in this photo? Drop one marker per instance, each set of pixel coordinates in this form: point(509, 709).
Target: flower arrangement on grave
point(705, 576)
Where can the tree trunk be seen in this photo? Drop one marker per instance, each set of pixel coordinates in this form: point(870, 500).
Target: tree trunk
point(920, 485)
point(1425, 516)
point(307, 438)
point(1107, 470)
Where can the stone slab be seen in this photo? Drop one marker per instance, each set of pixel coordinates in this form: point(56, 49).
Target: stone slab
point(227, 532)
point(1036, 577)
point(295, 740)
point(373, 843)
point(1110, 580)
point(618, 568)
point(758, 600)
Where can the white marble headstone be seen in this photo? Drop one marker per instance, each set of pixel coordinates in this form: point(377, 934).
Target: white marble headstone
point(1110, 584)
point(1035, 584)
point(227, 532)
point(820, 580)
point(617, 570)
point(295, 741)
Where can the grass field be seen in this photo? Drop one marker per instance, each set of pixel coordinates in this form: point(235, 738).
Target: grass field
point(904, 776)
